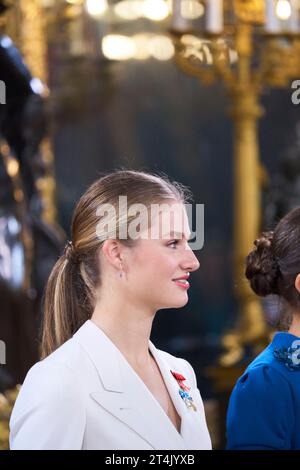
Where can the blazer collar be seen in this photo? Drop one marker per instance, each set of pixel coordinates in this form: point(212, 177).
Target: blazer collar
point(103, 353)
point(125, 395)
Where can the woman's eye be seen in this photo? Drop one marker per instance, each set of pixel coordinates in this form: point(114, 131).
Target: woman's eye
point(173, 243)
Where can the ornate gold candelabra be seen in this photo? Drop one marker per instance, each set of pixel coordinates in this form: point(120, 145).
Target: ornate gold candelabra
point(246, 46)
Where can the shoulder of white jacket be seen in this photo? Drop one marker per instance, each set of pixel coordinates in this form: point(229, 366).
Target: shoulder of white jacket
point(50, 385)
point(65, 359)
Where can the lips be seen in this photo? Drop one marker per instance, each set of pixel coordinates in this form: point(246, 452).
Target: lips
point(182, 281)
point(184, 277)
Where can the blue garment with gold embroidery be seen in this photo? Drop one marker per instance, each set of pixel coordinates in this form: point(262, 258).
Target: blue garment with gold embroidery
point(264, 407)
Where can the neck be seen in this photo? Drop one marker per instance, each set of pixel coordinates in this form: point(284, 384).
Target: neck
point(129, 328)
point(295, 325)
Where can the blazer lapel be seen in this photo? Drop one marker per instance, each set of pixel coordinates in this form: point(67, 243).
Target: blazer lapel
point(125, 395)
point(169, 380)
point(193, 424)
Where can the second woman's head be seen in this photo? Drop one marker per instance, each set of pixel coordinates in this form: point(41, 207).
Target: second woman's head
point(273, 267)
point(129, 239)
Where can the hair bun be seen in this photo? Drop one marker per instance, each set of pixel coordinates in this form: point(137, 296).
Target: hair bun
point(262, 266)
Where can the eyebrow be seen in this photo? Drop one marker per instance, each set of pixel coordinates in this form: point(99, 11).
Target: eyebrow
point(176, 235)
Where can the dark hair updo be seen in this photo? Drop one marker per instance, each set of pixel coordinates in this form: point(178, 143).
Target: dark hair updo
point(274, 264)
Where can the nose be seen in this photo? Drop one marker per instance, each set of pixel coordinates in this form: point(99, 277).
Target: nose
point(190, 262)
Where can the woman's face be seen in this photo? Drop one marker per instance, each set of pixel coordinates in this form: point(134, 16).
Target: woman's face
point(158, 267)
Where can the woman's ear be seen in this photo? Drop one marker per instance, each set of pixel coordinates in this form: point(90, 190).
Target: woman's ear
point(297, 283)
point(112, 250)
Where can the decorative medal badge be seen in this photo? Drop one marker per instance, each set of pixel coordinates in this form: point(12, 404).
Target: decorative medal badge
point(289, 356)
point(184, 391)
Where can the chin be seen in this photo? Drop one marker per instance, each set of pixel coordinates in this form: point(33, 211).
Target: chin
point(184, 302)
point(180, 303)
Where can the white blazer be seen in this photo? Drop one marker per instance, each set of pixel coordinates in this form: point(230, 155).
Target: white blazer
point(85, 395)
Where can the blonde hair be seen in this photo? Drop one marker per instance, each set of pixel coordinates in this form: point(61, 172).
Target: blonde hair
point(69, 298)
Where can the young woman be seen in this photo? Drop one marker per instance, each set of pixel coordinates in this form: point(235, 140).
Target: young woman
point(102, 384)
point(264, 408)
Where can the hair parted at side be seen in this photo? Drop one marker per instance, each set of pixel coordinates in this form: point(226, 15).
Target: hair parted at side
point(70, 291)
point(274, 264)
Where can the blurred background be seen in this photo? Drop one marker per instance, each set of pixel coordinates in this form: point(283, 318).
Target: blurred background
point(205, 91)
